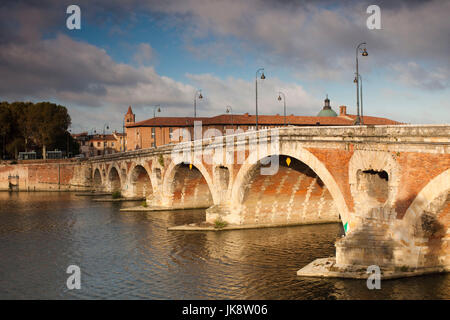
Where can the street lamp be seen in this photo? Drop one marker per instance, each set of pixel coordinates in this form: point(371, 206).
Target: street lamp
point(284, 100)
point(361, 95)
point(68, 139)
point(230, 111)
point(154, 109)
point(256, 89)
point(104, 139)
point(198, 94)
point(364, 54)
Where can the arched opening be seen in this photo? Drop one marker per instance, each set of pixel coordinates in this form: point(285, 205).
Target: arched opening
point(433, 225)
point(189, 188)
point(114, 180)
point(222, 177)
point(97, 180)
point(292, 194)
point(141, 183)
point(373, 186)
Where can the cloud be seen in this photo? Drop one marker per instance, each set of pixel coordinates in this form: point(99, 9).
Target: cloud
point(316, 38)
point(79, 74)
point(312, 40)
point(240, 95)
point(412, 74)
point(144, 54)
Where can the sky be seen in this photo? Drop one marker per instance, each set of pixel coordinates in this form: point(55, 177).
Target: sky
point(147, 53)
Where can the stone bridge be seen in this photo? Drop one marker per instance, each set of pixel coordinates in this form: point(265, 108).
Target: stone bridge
point(387, 185)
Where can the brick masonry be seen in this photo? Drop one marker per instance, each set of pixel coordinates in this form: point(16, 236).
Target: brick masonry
point(389, 184)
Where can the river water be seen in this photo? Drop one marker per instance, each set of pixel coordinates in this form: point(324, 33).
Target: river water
point(131, 255)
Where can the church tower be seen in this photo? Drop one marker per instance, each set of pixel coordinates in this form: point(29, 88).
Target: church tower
point(129, 116)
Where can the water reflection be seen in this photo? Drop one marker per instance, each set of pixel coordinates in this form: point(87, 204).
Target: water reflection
point(131, 255)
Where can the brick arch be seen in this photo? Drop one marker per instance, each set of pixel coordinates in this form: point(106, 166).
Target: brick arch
point(437, 187)
point(97, 178)
point(427, 222)
point(376, 161)
point(169, 176)
point(306, 157)
point(110, 176)
point(135, 174)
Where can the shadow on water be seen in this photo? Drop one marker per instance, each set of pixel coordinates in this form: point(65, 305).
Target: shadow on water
point(132, 255)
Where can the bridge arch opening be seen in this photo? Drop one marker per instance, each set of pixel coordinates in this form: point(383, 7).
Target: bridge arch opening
point(97, 179)
point(222, 177)
point(114, 180)
point(373, 186)
point(293, 194)
point(189, 188)
point(140, 181)
point(429, 216)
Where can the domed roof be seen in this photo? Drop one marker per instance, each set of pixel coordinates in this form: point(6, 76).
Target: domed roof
point(327, 113)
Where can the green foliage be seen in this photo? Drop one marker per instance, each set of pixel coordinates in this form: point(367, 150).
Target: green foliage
point(161, 160)
point(116, 195)
point(26, 126)
point(219, 223)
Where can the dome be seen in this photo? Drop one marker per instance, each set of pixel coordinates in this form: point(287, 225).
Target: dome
point(327, 113)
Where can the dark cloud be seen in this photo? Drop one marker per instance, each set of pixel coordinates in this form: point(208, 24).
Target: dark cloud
point(313, 39)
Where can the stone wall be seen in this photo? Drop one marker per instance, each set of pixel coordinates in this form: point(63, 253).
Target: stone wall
point(49, 175)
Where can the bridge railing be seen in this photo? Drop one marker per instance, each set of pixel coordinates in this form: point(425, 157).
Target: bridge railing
point(437, 134)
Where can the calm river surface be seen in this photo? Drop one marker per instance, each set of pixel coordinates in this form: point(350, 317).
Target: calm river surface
point(129, 255)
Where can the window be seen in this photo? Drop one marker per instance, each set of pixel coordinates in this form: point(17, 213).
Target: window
point(170, 132)
point(153, 133)
point(98, 144)
point(112, 144)
point(153, 145)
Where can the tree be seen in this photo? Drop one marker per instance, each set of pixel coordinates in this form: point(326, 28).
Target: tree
point(5, 125)
point(26, 125)
point(51, 121)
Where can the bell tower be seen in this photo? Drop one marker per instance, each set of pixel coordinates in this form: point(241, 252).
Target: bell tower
point(129, 116)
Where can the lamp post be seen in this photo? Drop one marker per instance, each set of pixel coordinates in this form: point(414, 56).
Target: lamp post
point(364, 54)
point(4, 155)
point(256, 90)
point(154, 109)
point(230, 111)
point(123, 136)
point(284, 100)
point(104, 139)
point(360, 94)
point(198, 94)
point(68, 139)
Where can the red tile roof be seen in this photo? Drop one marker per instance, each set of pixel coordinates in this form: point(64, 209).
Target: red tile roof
point(101, 137)
point(246, 119)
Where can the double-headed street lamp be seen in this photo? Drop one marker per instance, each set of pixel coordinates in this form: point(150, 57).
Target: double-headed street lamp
point(364, 54)
point(256, 86)
point(230, 111)
point(154, 109)
point(284, 100)
point(198, 94)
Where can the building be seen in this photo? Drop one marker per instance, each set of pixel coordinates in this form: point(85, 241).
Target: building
point(327, 111)
point(158, 131)
point(100, 144)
